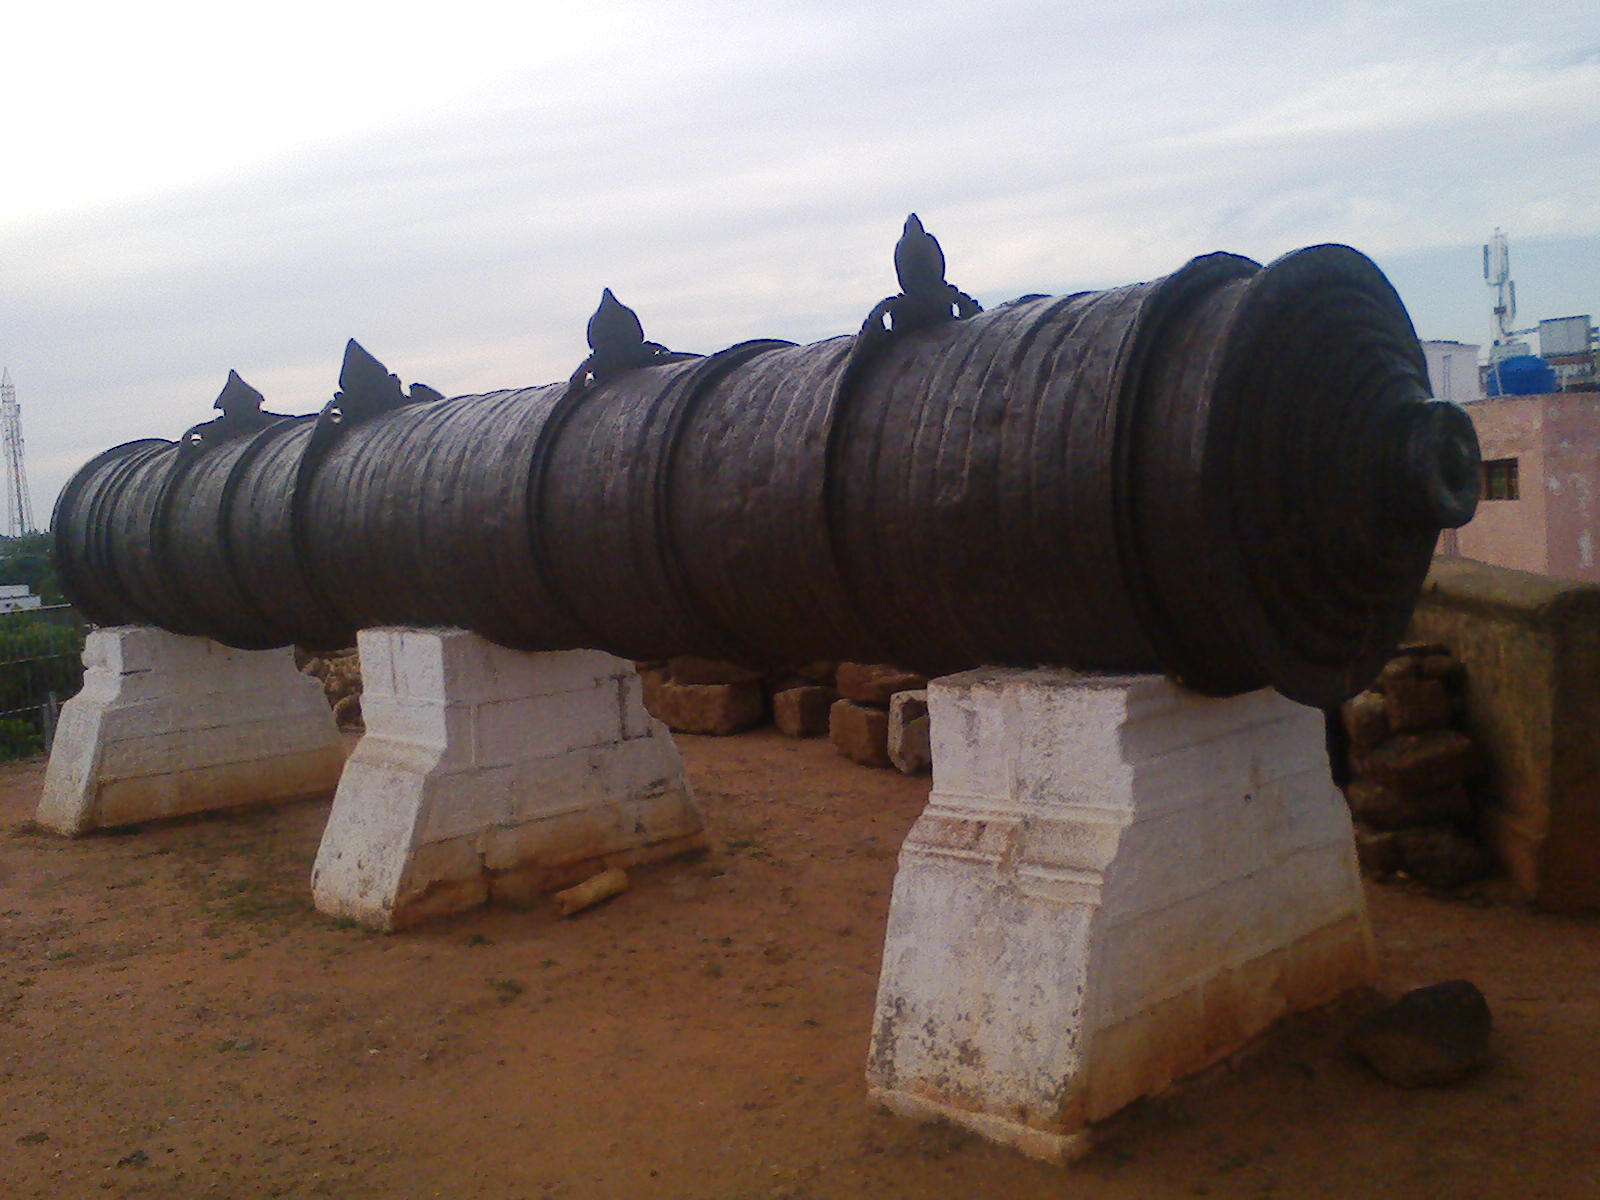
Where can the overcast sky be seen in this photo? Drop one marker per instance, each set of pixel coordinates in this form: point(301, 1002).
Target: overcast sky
point(190, 188)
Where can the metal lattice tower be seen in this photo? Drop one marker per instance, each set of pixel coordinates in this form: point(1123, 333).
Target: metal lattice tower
point(19, 501)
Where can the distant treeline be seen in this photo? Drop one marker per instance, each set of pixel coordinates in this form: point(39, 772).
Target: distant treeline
point(30, 559)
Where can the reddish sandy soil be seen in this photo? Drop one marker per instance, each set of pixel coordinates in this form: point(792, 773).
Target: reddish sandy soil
point(176, 1021)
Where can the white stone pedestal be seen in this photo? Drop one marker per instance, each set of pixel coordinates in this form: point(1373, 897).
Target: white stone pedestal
point(488, 773)
point(167, 725)
point(1115, 884)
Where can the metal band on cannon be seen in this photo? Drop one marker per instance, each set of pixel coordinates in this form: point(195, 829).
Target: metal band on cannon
point(1232, 474)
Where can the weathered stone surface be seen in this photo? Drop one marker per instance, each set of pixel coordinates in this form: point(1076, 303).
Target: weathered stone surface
point(1383, 807)
point(717, 709)
point(1442, 856)
point(784, 681)
point(651, 681)
point(347, 712)
point(1533, 688)
point(487, 772)
point(1444, 667)
point(860, 732)
point(910, 740)
point(1402, 666)
point(168, 725)
point(1421, 650)
point(875, 683)
point(802, 712)
point(1434, 1035)
point(1365, 719)
point(1115, 883)
point(1415, 703)
point(1420, 762)
point(1380, 854)
point(689, 669)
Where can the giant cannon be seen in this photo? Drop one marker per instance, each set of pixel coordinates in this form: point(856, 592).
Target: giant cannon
point(1233, 474)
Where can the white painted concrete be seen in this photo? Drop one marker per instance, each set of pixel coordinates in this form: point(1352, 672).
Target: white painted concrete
point(488, 773)
point(167, 725)
point(1115, 883)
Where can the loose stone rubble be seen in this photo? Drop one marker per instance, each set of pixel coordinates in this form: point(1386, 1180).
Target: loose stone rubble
point(1412, 778)
point(910, 732)
point(702, 695)
point(852, 704)
point(859, 722)
point(802, 712)
point(340, 676)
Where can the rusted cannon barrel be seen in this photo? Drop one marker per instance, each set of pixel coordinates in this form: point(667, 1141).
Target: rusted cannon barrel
point(1232, 473)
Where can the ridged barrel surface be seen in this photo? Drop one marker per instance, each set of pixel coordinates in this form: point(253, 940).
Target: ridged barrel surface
point(1232, 474)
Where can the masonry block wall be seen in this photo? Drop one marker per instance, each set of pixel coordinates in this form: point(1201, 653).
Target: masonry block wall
point(1531, 647)
point(167, 725)
point(488, 773)
point(1114, 884)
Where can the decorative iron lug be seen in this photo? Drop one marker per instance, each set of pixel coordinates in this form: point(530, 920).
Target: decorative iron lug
point(366, 389)
point(617, 344)
point(925, 297)
point(240, 405)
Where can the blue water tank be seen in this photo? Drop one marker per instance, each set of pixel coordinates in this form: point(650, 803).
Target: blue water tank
point(1524, 375)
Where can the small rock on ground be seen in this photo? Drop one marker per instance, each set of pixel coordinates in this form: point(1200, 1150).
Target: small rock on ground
point(1434, 1035)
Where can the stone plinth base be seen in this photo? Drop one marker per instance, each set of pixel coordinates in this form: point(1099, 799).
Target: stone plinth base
point(1115, 884)
point(167, 725)
point(487, 773)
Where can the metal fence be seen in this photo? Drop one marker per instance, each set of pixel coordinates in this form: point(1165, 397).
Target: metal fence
point(41, 665)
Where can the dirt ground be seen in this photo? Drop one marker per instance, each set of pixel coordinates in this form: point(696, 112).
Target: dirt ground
point(176, 1021)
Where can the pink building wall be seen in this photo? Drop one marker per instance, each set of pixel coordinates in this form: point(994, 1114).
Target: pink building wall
point(1552, 526)
point(1572, 484)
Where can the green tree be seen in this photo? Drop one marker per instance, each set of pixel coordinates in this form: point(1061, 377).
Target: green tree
point(30, 559)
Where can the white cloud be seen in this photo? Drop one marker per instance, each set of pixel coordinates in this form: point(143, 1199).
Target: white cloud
point(210, 188)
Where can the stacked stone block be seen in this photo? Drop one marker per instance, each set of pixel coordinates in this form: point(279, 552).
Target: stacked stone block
point(704, 695)
point(340, 676)
point(1412, 773)
point(910, 732)
point(1114, 884)
point(491, 774)
point(858, 722)
point(802, 698)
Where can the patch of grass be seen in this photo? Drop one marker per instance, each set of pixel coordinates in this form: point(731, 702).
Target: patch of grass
point(58, 955)
point(254, 901)
point(507, 989)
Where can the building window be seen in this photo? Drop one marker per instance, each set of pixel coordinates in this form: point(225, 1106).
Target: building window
point(1500, 479)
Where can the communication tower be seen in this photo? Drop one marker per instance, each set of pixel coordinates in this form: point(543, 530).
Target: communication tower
point(1497, 274)
point(19, 502)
